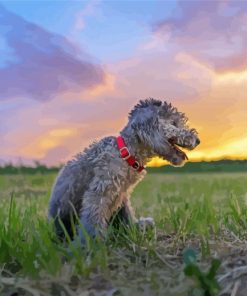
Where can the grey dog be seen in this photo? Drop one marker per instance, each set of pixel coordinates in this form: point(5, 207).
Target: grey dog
point(98, 183)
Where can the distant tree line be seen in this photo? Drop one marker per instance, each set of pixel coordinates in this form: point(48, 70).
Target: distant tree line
point(190, 167)
point(37, 168)
point(204, 166)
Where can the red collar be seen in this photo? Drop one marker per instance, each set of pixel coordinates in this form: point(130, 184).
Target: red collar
point(125, 154)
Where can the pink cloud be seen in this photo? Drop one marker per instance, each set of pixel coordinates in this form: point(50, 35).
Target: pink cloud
point(214, 31)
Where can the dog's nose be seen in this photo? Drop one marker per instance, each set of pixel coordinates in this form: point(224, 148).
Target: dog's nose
point(198, 141)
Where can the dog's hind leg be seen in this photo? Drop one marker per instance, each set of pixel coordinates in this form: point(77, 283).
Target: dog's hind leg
point(97, 210)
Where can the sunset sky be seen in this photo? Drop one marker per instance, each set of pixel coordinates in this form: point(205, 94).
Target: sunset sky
point(70, 71)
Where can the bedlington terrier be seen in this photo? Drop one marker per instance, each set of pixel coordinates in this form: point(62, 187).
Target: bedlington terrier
point(98, 182)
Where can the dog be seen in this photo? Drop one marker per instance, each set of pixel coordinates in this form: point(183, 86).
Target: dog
point(98, 182)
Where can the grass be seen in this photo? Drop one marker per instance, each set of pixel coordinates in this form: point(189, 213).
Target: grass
point(200, 214)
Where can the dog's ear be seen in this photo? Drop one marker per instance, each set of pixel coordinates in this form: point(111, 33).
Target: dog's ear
point(144, 118)
point(165, 110)
point(162, 113)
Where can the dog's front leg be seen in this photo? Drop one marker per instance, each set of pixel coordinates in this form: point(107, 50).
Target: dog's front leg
point(146, 222)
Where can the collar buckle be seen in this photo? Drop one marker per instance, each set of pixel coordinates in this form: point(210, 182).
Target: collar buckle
point(125, 154)
point(136, 165)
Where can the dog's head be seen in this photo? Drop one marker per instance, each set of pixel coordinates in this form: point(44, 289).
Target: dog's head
point(163, 129)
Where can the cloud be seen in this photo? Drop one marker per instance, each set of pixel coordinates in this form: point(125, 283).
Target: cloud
point(45, 64)
point(214, 31)
point(51, 139)
point(88, 10)
point(53, 135)
point(107, 87)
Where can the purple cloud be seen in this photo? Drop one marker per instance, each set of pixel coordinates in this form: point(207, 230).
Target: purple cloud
point(44, 63)
point(214, 31)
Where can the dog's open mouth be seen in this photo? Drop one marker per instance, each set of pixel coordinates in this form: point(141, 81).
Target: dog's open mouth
point(175, 146)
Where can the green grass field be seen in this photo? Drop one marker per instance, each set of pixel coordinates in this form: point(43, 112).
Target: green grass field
point(199, 217)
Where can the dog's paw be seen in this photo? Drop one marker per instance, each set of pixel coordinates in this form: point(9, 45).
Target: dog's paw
point(146, 222)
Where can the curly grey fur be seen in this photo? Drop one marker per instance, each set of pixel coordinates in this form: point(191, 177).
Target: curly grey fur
point(97, 182)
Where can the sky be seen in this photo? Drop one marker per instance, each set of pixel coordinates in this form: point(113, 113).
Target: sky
point(70, 71)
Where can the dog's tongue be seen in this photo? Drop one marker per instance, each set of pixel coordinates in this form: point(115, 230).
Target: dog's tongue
point(172, 141)
point(181, 151)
